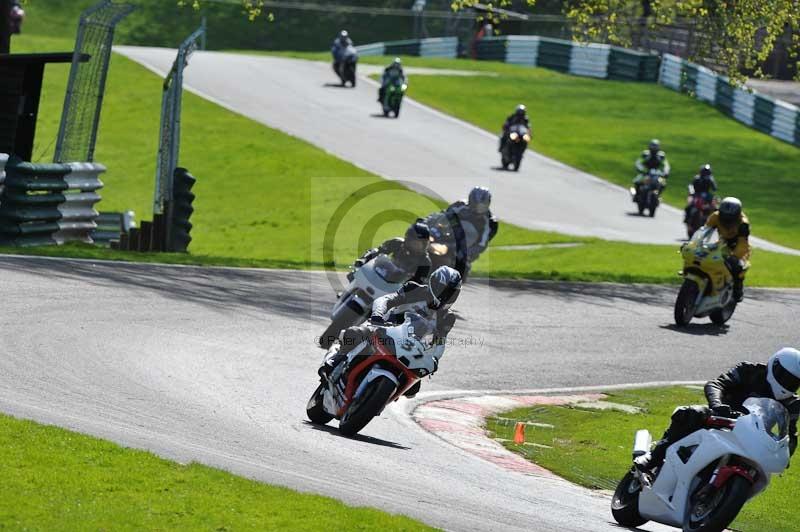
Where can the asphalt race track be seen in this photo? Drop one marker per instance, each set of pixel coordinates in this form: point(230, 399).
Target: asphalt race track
point(424, 146)
point(216, 365)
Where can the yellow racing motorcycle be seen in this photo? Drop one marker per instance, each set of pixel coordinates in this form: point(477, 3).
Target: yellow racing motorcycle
point(707, 288)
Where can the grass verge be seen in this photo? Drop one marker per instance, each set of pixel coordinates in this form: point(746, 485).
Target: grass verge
point(54, 479)
point(592, 447)
point(265, 199)
point(601, 126)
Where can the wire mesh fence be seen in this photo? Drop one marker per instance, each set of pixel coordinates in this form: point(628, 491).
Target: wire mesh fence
point(80, 118)
point(170, 129)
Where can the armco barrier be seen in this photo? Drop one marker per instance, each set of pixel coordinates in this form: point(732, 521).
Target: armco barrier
point(519, 49)
point(590, 60)
point(773, 117)
point(48, 203)
point(594, 60)
point(554, 54)
point(377, 48)
point(442, 47)
point(784, 121)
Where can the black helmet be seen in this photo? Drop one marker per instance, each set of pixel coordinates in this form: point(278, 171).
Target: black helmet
point(479, 199)
point(343, 36)
point(417, 238)
point(445, 286)
point(654, 146)
point(730, 212)
point(520, 110)
point(705, 170)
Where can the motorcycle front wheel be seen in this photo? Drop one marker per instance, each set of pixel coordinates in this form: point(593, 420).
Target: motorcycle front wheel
point(685, 304)
point(721, 316)
point(367, 406)
point(316, 414)
point(716, 514)
point(625, 502)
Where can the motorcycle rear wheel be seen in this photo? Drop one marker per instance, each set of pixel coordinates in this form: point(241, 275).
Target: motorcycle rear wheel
point(625, 502)
point(362, 410)
point(314, 410)
point(734, 495)
point(685, 304)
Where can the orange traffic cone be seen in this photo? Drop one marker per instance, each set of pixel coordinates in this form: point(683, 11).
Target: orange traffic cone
point(519, 433)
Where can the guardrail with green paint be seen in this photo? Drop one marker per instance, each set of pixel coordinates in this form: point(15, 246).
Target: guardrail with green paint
point(768, 115)
point(594, 60)
point(48, 203)
point(433, 47)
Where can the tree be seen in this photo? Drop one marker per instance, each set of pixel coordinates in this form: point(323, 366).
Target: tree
point(737, 35)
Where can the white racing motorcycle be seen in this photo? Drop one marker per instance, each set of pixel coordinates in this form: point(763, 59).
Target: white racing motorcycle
point(375, 279)
point(709, 475)
point(389, 363)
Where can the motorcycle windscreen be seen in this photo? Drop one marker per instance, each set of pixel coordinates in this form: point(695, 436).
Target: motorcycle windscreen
point(773, 416)
point(389, 271)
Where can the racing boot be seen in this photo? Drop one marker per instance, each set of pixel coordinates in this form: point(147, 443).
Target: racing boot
point(414, 390)
point(649, 461)
point(738, 290)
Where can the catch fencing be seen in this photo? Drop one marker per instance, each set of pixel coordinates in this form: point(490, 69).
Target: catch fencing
point(80, 117)
point(768, 115)
point(594, 60)
point(48, 203)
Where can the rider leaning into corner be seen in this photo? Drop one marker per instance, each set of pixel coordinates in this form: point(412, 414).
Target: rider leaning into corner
point(703, 185)
point(778, 379)
point(734, 229)
point(519, 116)
point(340, 44)
point(409, 253)
point(392, 74)
point(653, 158)
point(475, 211)
point(432, 301)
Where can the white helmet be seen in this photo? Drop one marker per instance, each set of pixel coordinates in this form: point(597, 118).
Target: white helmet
point(783, 373)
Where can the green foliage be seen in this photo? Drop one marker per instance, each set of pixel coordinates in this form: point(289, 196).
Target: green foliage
point(738, 35)
point(54, 479)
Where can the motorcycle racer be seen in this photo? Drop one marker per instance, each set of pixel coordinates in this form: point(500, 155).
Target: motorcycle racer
point(733, 228)
point(391, 74)
point(704, 185)
point(476, 212)
point(519, 116)
point(431, 301)
point(409, 253)
point(778, 379)
point(653, 158)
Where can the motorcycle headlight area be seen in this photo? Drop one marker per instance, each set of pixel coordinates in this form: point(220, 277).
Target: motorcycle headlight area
point(526, 137)
point(514, 136)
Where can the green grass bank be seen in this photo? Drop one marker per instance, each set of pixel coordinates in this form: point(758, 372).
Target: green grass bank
point(54, 479)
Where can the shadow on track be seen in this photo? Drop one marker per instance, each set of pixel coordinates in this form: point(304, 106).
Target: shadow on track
point(358, 437)
point(699, 329)
point(379, 115)
point(290, 293)
point(335, 86)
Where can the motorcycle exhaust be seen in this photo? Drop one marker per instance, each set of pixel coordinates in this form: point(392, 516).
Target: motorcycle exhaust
point(642, 443)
